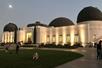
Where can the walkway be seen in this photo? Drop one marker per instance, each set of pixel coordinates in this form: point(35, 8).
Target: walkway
point(88, 61)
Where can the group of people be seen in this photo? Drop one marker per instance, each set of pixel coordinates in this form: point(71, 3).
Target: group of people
point(7, 46)
point(99, 50)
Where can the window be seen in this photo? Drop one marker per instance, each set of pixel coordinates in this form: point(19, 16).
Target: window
point(29, 37)
point(60, 39)
point(68, 38)
point(53, 39)
point(48, 39)
point(76, 38)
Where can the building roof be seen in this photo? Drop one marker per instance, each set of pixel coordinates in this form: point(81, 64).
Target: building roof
point(89, 14)
point(37, 23)
point(61, 21)
point(10, 27)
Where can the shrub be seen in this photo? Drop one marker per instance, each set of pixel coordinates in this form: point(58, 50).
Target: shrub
point(76, 45)
point(2, 44)
point(50, 45)
point(59, 46)
point(28, 45)
point(67, 45)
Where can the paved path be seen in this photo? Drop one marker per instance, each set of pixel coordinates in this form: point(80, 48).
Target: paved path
point(88, 61)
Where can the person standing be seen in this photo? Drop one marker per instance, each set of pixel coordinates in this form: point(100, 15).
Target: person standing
point(99, 50)
point(17, 47)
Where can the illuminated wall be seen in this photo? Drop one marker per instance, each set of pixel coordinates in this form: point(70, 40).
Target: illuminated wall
point(68, 38)
point(48, 39)
point(21, 36)
point(48, 36)
point(29, 37)
point(72, 33)
point(95, 31)
point(57, 35)
point(90, 31)
point(42, 34)
point(83, 33)
point(25, 35)
point(76, 38)
point(8, 37)
point(62, 35)
point(60, 39)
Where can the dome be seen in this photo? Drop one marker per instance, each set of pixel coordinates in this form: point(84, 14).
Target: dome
point(10, 27)
point(37, 23)
point(61, 21)
point(89, 14)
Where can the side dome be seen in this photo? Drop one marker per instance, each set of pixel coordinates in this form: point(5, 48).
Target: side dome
point(89, 14)
point(61, 21)
point(10, 27)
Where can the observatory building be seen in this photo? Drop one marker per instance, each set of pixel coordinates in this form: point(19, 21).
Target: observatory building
point(61, 30)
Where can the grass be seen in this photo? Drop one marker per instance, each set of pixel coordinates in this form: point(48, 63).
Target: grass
point(48, 58)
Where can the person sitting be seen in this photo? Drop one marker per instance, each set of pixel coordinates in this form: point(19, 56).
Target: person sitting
point(35, 56)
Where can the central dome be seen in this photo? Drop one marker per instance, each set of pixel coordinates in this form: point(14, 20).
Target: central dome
point(89, 13)
point(61, 21)
point(37, 23)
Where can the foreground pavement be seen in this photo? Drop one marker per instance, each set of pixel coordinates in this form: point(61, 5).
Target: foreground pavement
point(88, 61)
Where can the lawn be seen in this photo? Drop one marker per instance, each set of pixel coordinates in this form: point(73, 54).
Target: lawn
point(48, 58)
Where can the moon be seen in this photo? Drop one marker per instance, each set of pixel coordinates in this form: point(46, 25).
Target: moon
point(10, 6)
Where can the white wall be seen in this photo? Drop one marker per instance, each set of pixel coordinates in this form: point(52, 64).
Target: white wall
point(95, 28)
point(41, 34)
point(22, 34)
point(90, 31)
point(83, 33)
point(63, 32)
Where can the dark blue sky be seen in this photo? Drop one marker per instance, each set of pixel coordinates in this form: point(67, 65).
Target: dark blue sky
point(29, 11)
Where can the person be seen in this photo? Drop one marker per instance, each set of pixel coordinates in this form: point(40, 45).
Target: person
point(17, 47)
point(35, 56)
point(99, 50)
point(37, 46)
point(6, 47)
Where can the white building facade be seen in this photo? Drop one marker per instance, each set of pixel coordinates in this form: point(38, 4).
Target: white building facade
point(60, 31)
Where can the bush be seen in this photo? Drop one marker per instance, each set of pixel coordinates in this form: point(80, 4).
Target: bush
point(59, 46)
point(28, 45)
point(67, 45)
point(41, 45)
point(50, 45)
point(76, 45)
point(2, 44)
point(53, 45)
